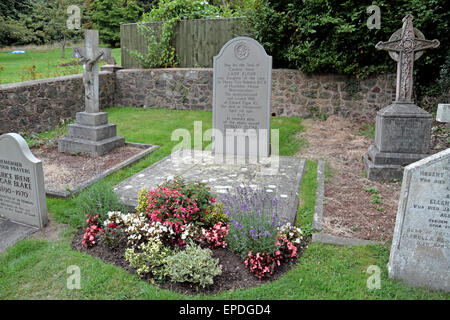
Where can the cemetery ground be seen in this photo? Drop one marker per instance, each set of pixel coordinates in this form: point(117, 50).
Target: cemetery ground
point(46, 59)
point(36, 268)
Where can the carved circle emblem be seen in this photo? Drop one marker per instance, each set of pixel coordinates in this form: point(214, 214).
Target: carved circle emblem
point(398, 35)
point(241, 50)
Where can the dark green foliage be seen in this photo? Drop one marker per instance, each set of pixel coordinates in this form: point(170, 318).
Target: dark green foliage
point(324, 36)
point(108, 14)
point(98, 199)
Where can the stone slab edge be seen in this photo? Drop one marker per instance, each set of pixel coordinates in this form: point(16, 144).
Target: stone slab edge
point(298, 183)
point(149, 148)
point(320, 236)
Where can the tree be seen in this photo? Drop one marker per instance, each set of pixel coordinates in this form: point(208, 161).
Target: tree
point(108, 14)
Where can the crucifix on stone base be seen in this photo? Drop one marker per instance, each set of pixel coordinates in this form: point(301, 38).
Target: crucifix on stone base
point(91, 134)
point(402, 129)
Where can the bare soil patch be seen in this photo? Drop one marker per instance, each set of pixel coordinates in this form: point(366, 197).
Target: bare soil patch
point(64, 171)
point(234, 274)
point(348, 210)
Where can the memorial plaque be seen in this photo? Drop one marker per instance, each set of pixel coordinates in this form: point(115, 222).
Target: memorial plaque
point(241, 98)
point(420, 252)
point(22, 191)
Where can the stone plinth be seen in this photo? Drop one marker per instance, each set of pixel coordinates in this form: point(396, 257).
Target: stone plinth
point(91, 134)
point(402, 136)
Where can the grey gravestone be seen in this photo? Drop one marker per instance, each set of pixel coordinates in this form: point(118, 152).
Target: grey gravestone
point(23, 207)
point(91, 134)
point(403, 130)
point(420, 252)
point(241, 99)
point(443, 113)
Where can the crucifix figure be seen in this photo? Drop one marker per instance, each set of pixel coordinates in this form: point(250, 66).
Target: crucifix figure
point(90, 73)
point(404, 46)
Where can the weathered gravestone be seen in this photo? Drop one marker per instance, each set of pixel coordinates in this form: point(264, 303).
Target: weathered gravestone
point(23, 207)
point(91, 134)
point(420, 252)
point(241, 99)
point(403, 130)
point(443, 113)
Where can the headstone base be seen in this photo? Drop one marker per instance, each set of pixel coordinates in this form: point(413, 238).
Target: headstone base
point(402, 136)
point(91, 135)
point(384, 172)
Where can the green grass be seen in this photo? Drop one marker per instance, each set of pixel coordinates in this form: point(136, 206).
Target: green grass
point(368, 131)
point(17, 66)
point(37, 269)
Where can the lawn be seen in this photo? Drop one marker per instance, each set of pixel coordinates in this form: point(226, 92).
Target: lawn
point(37, 269)
point(40, 63)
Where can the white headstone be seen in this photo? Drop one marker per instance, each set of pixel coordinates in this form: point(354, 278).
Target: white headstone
point(22, 191)
point(241, 98)
point(443, 113)
point(420, 252)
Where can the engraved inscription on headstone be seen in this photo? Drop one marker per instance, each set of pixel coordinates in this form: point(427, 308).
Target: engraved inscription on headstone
point(22, 191)
point(241, 98)
point(420, 252)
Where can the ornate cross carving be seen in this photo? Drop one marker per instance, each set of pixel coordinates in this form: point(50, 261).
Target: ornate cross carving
point(404, 46)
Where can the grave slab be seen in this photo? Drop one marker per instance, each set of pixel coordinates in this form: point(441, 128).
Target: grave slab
point(11, 232)
point(280, 176)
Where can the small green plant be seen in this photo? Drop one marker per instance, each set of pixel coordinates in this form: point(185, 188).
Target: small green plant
point(216, 215)
point(2, 68)
point(368, 130)
point(376, 198)
point(150, 259)
point(30, 73)
point(112, 236)
point(98, 199)
point(194, 265)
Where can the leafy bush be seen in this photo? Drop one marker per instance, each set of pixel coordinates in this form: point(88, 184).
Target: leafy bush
point(98, 199)
point(160, 51)
point(194, 265)
point(332, 37)
point(108, 14)
point(112, 236)
point(151, 258)
point(216, 215)
point(254, 221)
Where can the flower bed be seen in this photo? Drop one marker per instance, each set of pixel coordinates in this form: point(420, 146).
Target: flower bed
point(181, 238)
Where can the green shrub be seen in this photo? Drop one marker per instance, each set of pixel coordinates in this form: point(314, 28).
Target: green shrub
point(151, 259)
point(194, 265)
point(99, 198)
point(107, 16)
point(216, 215)
point(160, 51)
point(331, 36)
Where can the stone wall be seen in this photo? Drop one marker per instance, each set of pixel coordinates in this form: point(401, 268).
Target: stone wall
point(293, 93)
point(39, 105)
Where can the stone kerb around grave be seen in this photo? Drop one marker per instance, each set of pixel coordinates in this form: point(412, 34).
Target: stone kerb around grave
point(241, 98)
point(22, 190)
point(420, 252)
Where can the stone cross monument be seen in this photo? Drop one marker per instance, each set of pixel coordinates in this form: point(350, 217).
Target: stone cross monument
point(403, 130)
point(91, 134)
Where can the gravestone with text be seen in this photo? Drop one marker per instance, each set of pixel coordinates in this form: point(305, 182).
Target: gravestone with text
point(420, 252)
point(91, 134)
point(443, 113)
point(403, 130)
point(22, 191)
point(241, 99)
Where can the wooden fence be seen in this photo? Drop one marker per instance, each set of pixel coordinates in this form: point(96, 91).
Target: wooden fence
point(196, 41)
